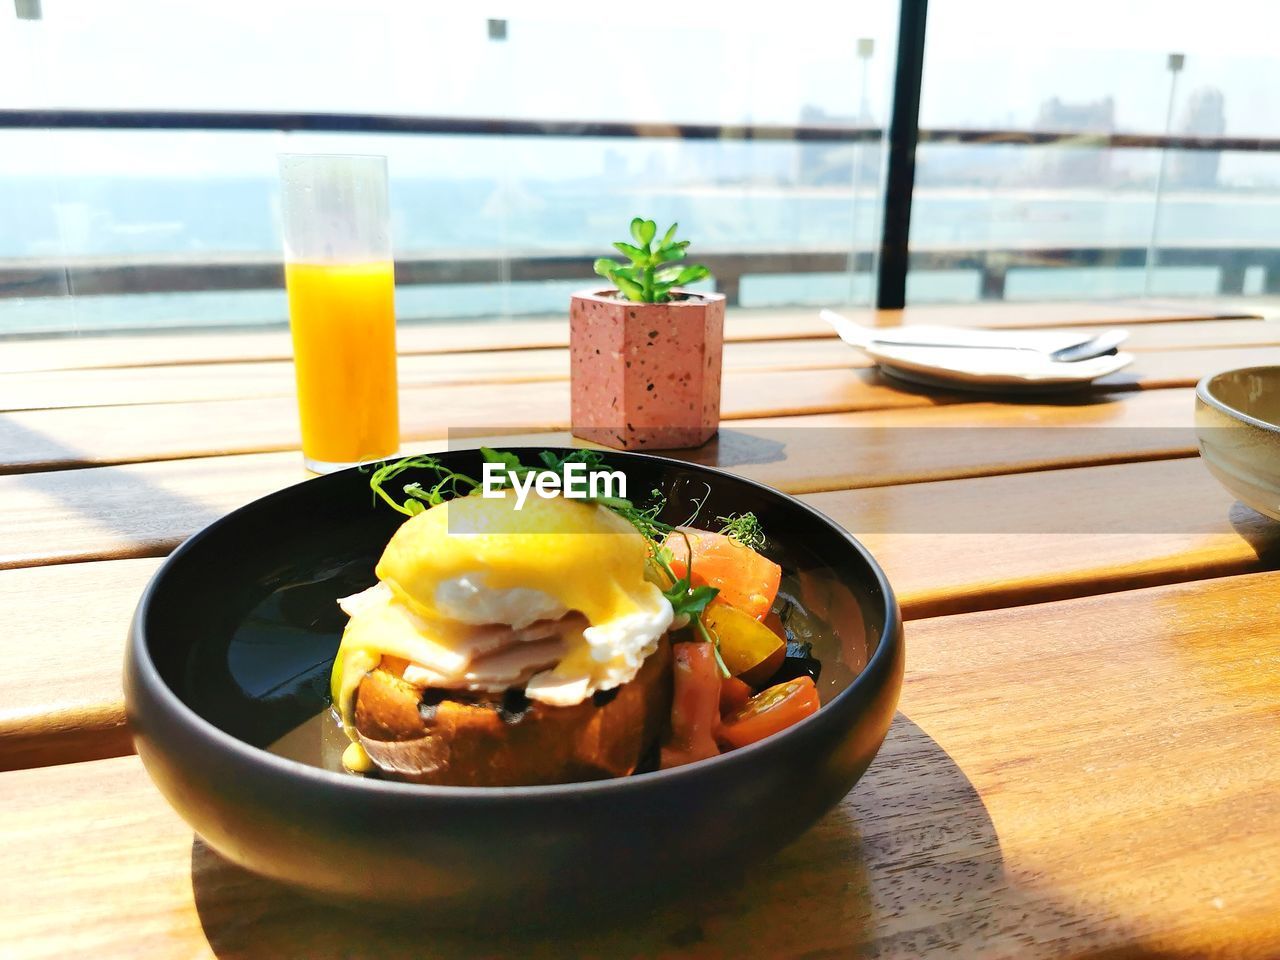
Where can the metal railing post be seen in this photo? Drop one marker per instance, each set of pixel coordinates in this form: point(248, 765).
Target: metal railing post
point(904, 132)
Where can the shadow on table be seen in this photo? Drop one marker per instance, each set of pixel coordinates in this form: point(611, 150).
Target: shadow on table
point(908, 865)
point(1259, 531)
point(1096, 394)
point(736, 448)
point(123, 501)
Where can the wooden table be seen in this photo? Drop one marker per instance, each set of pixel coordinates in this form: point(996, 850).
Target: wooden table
point(1085, 761)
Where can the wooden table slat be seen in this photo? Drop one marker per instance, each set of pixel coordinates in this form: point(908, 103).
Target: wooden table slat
point(62, 438)
point(195, 346)
point(59, 439)
point(139, 509)
point(270, 378)
point(116, 386)
point(67, 703)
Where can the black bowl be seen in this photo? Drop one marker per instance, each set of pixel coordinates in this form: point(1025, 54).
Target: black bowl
point(230, 649)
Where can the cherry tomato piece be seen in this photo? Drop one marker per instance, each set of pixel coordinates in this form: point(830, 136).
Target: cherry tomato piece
point(695, 705)
point(734, 695)
point(770, 711)
point(748, 647)
point(746, 580)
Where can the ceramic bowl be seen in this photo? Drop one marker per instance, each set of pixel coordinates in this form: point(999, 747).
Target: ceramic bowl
point(230, 651)
point(1238, 427)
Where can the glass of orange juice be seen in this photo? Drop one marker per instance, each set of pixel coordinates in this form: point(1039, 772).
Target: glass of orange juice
point(339, 275)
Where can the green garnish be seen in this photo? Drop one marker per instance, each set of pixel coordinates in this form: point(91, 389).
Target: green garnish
point(743, 529)
point(685, 599)
point(649, 279)
point(448, 482)
point(643, 519)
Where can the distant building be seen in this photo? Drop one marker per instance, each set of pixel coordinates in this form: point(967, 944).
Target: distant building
point(1204, 116)
point(1077, 166)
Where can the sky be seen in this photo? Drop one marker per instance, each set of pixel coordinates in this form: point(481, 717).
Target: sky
point(989, 63)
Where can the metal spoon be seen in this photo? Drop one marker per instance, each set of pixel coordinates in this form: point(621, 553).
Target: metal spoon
point(1107, 342)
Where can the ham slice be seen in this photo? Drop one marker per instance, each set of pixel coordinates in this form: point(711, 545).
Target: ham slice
point(511, 666)
point(442, 654)
point(510, 657)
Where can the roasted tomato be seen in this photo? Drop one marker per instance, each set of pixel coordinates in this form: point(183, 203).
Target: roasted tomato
point(734, 695)
point(749, 648)
point(769, 711)
point(695, 706)
point(745, 579)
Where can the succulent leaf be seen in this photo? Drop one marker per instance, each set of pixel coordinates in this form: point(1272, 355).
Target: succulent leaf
point(634, 254)
point(630, 288)
point(651, 274)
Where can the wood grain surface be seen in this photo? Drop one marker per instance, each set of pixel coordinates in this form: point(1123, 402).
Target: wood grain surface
point(805, 454)
point(466, 336)
point(1197, 336)
point(60, 438)
point(142, 509)
point(176, 383)
point(1015, 315)
point(964, 545)
point(66, 703)
point(115, 386)
point(55, 421)
point(188, 346)
point(1088, 778)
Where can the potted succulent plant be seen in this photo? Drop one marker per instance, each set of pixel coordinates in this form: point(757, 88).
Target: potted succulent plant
point(645, 355)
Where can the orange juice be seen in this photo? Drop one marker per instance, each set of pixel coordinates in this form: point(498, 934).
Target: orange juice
point(344, 346)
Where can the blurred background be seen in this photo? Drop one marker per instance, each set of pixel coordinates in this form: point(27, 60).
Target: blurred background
point(1091, 151)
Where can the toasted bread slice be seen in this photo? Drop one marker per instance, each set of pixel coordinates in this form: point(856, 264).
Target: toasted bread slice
point(479, 740)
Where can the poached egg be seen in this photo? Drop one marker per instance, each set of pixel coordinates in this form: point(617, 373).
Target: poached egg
point(475, 595)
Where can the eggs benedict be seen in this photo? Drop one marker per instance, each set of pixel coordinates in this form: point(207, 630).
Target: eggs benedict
point(506, 646)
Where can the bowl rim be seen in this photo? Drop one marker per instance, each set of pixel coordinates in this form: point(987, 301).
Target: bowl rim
point(1204, 394)
point(167, 699)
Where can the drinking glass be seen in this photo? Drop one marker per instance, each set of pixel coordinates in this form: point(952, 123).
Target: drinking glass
point(340, 280)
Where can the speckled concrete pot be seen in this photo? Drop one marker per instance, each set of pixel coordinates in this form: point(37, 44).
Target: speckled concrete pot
point(645, 375)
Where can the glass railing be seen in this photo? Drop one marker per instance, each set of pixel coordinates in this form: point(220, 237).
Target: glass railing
point(784, 215)
point(1032, 179)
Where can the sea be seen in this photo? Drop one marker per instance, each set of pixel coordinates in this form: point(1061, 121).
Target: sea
point(62, 220)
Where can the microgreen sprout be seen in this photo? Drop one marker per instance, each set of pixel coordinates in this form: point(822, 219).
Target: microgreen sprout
point(449, 484)
point(644, 519)
point(652, 272)
point(743, 529)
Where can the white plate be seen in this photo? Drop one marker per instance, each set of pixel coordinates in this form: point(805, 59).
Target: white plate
point(973, 368)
